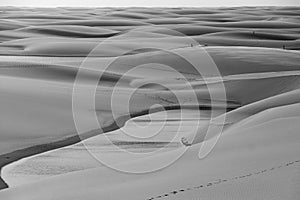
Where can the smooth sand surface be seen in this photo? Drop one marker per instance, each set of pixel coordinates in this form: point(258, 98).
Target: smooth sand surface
point(258, 161)
point(130, 138)
point(254, 49)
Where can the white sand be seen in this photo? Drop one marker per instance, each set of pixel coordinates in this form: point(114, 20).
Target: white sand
point(255, 50)
point(261, 161)
point(76, 157)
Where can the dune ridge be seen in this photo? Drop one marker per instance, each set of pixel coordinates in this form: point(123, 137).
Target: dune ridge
point(256, 51)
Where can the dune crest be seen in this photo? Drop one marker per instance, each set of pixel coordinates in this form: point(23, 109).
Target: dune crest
point(152, 62)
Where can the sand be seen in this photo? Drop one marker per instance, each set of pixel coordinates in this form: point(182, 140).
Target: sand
point(254, 49)
point(77, 157)
point(248, 163)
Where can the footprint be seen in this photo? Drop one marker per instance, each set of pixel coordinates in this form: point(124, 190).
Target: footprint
point(224, 180)
point(197, 187)
point(218, 182)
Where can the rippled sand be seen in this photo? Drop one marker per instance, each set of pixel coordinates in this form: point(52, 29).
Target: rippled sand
point(255, 52)
point(139, 135)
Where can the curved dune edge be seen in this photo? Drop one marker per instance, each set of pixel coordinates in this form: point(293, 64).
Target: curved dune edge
point(260, 157)
point(242, 113)
point(286, 79)
point(81, 156)
point(8, 158)
point(255, 49)
point(272, 27)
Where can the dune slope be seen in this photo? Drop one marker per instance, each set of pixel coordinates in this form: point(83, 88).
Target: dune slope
point(247, 57)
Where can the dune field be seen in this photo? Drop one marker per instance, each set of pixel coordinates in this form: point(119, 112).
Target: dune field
point(149, 103)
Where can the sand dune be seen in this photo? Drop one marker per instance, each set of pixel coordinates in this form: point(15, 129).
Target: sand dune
point(99, 23)
point(275, 165)
point(242, 113)
point(255, 51)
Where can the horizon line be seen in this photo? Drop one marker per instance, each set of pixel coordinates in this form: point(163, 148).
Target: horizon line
point(206, 6)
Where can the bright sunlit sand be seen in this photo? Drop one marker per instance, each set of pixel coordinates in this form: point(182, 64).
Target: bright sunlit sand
point(177, 85)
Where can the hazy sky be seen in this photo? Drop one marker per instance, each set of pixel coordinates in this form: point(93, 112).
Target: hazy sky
point(171, 3)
